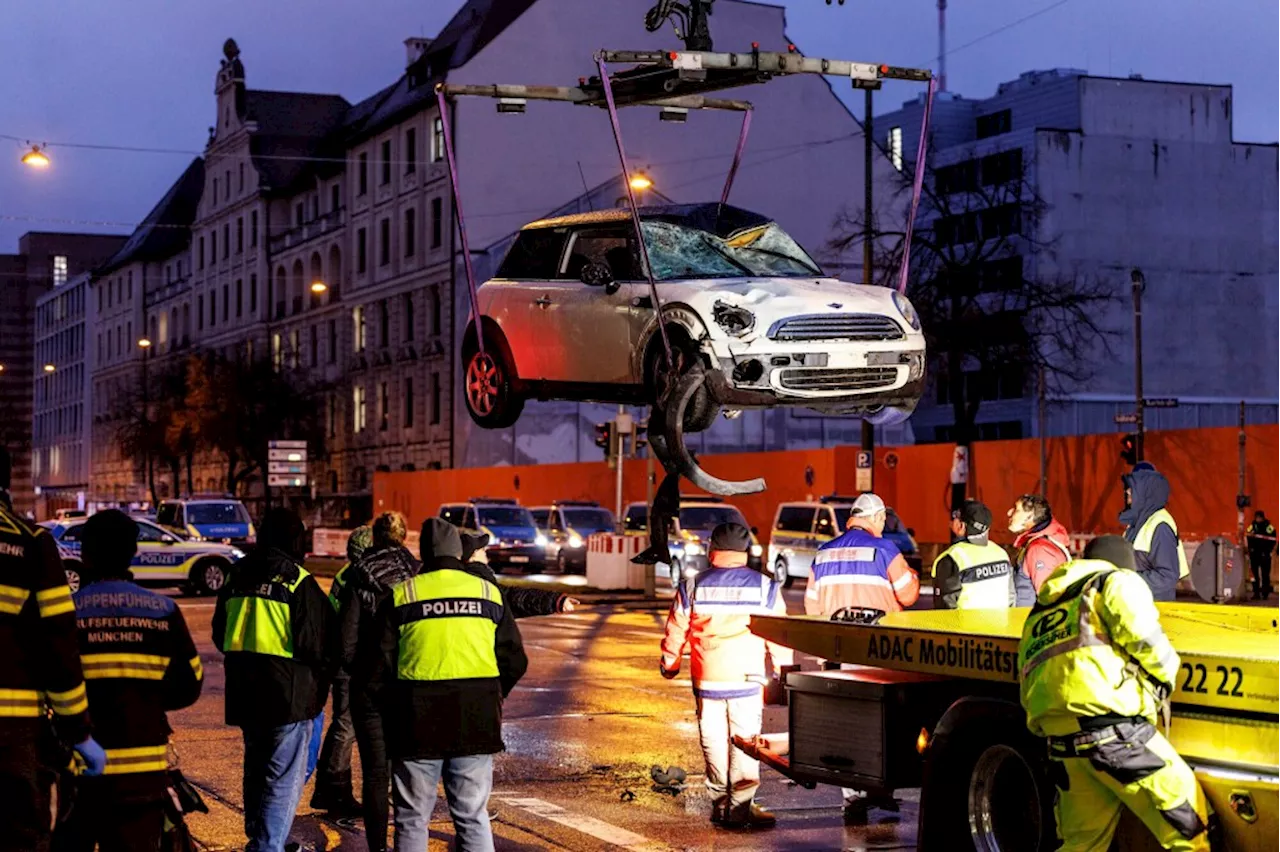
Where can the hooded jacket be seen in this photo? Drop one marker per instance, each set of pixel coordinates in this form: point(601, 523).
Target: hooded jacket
point(524, 603)
point(1041, 549)
point(370, 580)
point(1159, 566)
point(265, 690)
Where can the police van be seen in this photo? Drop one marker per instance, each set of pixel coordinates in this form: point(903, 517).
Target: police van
point(690, 534)
point(799, 529)
point(221, 519)
point(164, 557)
point(514, 538)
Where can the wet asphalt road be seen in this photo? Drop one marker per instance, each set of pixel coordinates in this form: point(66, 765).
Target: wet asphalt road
point(582, 730)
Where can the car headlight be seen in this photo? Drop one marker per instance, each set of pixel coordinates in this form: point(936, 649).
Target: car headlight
point(690, 572)
point(908, 311)
point(756, 550)
point(694, 549)
point(237, 553)
point(734, 320)
point(575, 540)
point(540, 540)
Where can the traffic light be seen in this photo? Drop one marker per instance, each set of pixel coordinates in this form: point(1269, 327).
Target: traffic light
point(638, 439)
point(1129, 449)
point(604, 438)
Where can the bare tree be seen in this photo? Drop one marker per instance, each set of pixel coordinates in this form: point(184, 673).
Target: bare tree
point(994, 312)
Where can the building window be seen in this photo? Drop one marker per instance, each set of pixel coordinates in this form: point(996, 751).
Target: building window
point(437, 222)
point(315, 207)
point(226, 241)
point(437, 140)
point(406, 316)
point(362, 250)
point(240, 235)
point(200, 257)
point(333, 341)
point(213, 246)
point(226, 302)
point(895, 147)
point(357, 408)
point(253, 294)
point(294, 348)
point(335, 197)
point(435, 399)
point(200, 312)
point(357, 329)
point(277, 353)
point(410, 150)
point(213, 308)
point(59, 270)
point(384, 242)
point(408, 403)
point(299, 213)
point(315, 345)
point(363, 174)
point(242, 177)
point(994, 124)
point(410, 231)
point(332, 417)
point(239, 298)
point(253, 228)
point(386, 162)
point(437, 321)
point(1003, 168)
point(384, 408)
point(226, 184)
point(215, 192)
point(384, 324)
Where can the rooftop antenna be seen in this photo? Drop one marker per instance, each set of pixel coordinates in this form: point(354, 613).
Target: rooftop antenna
point(942, 45)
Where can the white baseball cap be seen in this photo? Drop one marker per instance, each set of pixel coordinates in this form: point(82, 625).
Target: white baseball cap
point(867, 505)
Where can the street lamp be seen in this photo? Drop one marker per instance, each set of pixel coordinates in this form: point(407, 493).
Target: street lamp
point(318, 287)
point(144, 343)
point(640, 182)
point(36, 158)
point(49, 368)
point(1139, 421)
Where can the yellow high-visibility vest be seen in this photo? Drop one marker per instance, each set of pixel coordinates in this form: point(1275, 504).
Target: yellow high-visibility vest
point(986, 574)
point(1147, 531)
point(259, 620)
point(447, 620)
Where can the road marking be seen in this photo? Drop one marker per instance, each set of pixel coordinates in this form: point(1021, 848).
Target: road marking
point(590, 826)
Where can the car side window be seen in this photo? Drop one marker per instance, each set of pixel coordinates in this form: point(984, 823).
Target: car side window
point(611, 247)
point(557, 521)
point(795, 519)
point(167, 514)
point(540, 517)
point(826, 524)
point(535, 255)
point(636, 519)
point(469, 519)
point(146, 532)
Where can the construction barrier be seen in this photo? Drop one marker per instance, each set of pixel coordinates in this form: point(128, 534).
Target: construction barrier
point(609, 558)
point(331, 543)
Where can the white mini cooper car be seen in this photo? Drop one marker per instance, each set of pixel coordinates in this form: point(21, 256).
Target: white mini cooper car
point(569, 316)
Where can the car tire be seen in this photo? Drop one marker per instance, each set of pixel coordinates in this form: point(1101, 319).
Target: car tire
point(489, 383)
point(208, 576)
point(75, 573)
point(702, 410)
point(562, 564)
point(782, 572)
point(988, 789)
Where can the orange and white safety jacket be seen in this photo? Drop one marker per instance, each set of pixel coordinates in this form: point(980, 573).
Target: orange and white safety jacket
point(859, 569)
point(710, 616)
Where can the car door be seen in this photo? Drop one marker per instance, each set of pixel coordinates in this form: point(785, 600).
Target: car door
point(160, 554)
point(584, 331)
point(511, 298)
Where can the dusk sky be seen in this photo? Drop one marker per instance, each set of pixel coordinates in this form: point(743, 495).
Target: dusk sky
point(141, 72)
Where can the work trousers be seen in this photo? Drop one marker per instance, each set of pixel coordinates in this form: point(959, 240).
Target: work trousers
point(275, 770)
point(375, 772)
point(333, 779)
point(1260, 565)
point(26, 792)
point(1137, 769)
point(732, 776)
point(467, 784)
point(99, 818)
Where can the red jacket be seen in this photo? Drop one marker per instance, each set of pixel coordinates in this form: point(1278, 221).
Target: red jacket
point(1040, 551)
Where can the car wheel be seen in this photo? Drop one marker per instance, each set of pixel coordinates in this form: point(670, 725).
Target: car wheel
point(677, 573)
point(782, 574)
point(209, 576)
point(489, 386)
point(702, 410)
point(73, 571)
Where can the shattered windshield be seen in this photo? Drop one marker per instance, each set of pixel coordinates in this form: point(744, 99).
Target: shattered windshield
point(681, 251)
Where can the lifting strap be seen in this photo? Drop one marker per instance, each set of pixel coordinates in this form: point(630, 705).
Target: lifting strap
point(447, 128)
point(737, 157)
point(917, 185)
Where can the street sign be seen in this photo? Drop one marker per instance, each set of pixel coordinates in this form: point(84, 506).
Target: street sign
point(287, 455)
point(281, 480)
point(287, 467)
point(286, 445)
point(863, 474)
point(1160, 403)
point(1125, 418)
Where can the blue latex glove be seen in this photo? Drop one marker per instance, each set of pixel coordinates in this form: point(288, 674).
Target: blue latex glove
point(93, 755)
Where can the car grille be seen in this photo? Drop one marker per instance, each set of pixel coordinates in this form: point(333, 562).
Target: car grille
point(821, 379)
point(836, 327)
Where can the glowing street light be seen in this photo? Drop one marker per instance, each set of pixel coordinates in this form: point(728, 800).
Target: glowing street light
point(36, 158)
point(318, 287)
point(640, 182)
point(144, 343)
point(49, 368)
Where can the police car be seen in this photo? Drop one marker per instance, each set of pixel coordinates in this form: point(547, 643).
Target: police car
point(799, 529)
point(690, 534)
point(164, 557)
point(222, 519)
point(514, 538)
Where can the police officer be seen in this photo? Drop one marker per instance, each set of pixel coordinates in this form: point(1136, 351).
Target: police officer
point(973, 573)
point(452, 653)
point(1261, 537)
point(710, 616)
point(139, 662)
point(333, 775)
point(275, 627)
point(1096, 670)
point(1152, 531)
point(39, 671)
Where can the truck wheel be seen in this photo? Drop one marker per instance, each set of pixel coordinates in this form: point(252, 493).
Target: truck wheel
point(73, 571)
point(208, 576)
point(782, 573)
point(987, 789)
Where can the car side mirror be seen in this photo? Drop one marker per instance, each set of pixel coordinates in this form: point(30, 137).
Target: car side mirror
point(599, 275)
point(167, 539)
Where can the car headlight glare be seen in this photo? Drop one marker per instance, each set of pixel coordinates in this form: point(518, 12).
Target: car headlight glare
point(756, 550)
point(237, 553)
point(540, 540)
point(575, 541)
point(908, 311)
point(694, 549)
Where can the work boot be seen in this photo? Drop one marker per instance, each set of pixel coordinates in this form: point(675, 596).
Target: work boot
point(749, 816)
point(718, 808)
point(340, 803)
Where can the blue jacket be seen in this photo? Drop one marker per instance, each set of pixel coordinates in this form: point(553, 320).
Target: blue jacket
point(1158, 566)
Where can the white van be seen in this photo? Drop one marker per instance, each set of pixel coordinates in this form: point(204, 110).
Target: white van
point(799, 529)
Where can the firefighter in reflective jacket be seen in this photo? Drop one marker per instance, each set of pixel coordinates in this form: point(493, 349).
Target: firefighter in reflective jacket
point(39, 672)
point(1095, 671)
point(139, 662)
point(1152, 531)
point(973, 573)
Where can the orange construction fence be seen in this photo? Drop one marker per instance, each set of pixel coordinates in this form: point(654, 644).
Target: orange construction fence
point(1083, 480)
